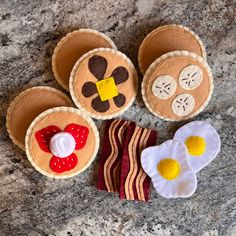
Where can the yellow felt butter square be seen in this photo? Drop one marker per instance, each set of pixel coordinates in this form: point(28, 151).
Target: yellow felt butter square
point(107, 88)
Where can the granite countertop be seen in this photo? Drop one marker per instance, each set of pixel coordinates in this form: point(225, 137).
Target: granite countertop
point(31, 204)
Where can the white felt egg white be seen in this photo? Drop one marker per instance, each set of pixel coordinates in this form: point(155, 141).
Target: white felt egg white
point(168, 167)
point(202, 141)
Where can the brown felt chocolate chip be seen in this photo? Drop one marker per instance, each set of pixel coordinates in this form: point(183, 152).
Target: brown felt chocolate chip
point(119, 100)
point(99, 105)
point(97, 66)
point(120, 74)
point(89, 89)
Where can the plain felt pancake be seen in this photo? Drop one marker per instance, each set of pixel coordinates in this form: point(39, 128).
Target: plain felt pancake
point(72, 47)
point(166, 39)
point(27, 106)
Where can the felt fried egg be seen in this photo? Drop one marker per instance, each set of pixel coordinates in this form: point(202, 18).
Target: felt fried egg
point(168, 167)
point(202, 142)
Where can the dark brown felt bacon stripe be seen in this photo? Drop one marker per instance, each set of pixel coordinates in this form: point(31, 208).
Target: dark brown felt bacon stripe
point(134, 183)
point(111, 155)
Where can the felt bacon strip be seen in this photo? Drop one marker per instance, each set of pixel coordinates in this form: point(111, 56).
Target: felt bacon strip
point(134, 183)
point(120, 169)
point(111, 155)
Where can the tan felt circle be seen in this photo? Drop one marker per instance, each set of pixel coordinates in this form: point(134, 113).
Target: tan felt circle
point(166, 39)
point(27, 106)
point(81, 74)
point(61, 117)
point(172, 64)
point(72, 47)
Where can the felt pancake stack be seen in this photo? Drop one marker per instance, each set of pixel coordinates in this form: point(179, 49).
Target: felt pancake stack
point(27, 106)
point(177, 83)
point(166, 39)
point(61, 142)
point(103, 83)
point(72, 47)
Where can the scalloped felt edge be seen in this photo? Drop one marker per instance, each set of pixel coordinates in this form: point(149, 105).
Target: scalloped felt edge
point(142, 70)
point(16, 99)
point(63, 40)
point(173, 54)
point(51, 111)
point(73, 74)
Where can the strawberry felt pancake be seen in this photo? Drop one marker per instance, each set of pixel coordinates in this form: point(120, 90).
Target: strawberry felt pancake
point(61, 142)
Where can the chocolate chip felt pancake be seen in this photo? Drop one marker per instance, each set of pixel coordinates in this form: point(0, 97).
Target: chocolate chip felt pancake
point(29, 104)
point(177, 86)
point(62, 142)
point(103, 83)
point(165, 39)
point(72, 47)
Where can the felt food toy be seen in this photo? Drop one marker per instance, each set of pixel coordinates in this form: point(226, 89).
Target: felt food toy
point(61, 142)
point(72, 47)
point(165, 39)
point(103, 83)
point(134, 182)
point(119, 162)
point(27, 106)
point(177, 86)
point(202, 142)
point(168, 167)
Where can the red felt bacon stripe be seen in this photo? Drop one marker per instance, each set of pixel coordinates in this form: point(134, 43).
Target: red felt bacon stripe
point(143, 181)
point(110, 158)
point(116, 163)
point(134, 183)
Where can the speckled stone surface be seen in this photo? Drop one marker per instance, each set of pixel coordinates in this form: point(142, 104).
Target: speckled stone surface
point(31, 204)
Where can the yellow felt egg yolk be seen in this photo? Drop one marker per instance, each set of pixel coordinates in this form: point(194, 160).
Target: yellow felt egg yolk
point(196, 145)
point(168, 168)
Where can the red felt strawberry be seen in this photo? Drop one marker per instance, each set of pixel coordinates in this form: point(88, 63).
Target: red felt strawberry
point(80, 134)
point(62, 164)
point(44, 136)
